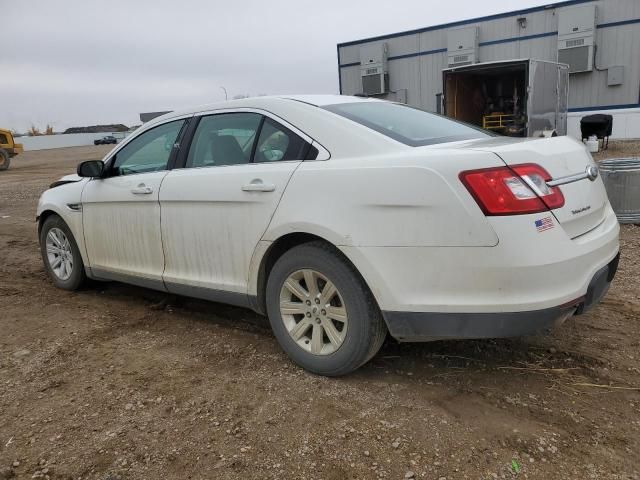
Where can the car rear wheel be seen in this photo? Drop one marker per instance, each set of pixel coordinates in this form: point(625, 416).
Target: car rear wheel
point(321, 311)
point(5, 161)
point(61, 255)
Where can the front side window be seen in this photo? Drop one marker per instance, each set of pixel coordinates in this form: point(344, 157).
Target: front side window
point(224, 139)
point(279, 143)
point(149, 152)
point(405, 124)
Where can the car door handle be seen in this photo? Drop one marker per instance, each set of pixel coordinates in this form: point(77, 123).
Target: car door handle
point(142, 189)
point(257, 186)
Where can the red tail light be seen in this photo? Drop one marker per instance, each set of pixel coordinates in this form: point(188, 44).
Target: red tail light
point(515, 190)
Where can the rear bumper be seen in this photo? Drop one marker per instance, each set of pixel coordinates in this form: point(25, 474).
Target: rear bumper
point(526, 271)
point(426, 326)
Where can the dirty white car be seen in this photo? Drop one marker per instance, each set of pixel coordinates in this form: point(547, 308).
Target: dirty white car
point(341, 218)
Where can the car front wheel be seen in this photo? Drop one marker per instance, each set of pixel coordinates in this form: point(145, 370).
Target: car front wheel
point(321, 312)
point(61, 255)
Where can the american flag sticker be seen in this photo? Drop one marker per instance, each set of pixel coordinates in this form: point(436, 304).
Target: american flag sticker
point(543, 224)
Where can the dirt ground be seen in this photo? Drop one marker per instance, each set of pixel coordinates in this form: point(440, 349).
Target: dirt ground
point(113, 383)
point(619, 150)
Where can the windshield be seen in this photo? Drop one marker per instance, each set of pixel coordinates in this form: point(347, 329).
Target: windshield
point(405, 124)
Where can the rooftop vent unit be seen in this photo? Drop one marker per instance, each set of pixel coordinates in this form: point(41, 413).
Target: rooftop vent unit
point(462, 46)
point(576, 37)
point(373, 69)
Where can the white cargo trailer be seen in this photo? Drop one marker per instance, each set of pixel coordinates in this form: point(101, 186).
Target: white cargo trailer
point(520, 98)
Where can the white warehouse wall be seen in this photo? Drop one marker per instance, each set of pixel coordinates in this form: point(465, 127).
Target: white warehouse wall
point(626, 123)
point(417, 58)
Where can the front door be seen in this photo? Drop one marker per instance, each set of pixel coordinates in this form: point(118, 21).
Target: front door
point(121, 212)
point(216, 209)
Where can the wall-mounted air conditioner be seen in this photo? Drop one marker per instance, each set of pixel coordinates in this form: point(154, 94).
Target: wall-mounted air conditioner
point(373, 69)
point(462, 46)
point(576, 37)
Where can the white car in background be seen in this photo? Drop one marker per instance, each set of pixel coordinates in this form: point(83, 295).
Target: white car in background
point(341, 218)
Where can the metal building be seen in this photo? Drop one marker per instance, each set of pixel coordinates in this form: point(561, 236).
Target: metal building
point(148, 116)
point(599, 39)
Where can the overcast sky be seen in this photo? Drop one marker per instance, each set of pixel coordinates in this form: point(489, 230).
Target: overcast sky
point(79, 62)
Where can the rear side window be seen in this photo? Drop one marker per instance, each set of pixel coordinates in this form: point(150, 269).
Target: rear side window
point(224, 139)
point(278, 143)
point(243, 137)
point(405, 124)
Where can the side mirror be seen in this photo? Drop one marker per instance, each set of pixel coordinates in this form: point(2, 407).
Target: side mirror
point(90, 168)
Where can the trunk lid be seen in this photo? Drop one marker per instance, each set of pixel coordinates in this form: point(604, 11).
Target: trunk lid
point(585, 200)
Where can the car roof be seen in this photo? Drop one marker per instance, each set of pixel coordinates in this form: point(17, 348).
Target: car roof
point(264, 102)
point(322, 100)
point(340, 136)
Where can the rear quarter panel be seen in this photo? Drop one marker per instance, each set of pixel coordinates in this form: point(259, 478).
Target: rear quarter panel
point(409, 199)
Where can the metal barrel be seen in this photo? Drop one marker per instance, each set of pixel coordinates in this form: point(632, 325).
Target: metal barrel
point(621, 177)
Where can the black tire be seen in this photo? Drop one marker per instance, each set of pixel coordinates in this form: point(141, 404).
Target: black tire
point(5, 161)
point(78, 277)
point(366, 328)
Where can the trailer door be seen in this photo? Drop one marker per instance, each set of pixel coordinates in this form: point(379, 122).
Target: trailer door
point(563, 98)
point(547, 98)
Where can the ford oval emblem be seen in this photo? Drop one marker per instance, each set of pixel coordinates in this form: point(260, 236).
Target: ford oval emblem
point(592, 172)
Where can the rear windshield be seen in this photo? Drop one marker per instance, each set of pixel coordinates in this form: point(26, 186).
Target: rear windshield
point(405, 124)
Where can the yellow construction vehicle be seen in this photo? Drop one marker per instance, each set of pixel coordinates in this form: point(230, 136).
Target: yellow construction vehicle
point(8, 148)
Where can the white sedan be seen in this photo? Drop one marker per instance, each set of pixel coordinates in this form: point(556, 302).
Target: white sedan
point(342, 219)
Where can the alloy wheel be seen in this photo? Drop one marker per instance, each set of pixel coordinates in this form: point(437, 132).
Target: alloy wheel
point(59, 253)
point(313, 312)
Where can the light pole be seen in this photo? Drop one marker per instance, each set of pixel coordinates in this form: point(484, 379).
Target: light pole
point(225, 93)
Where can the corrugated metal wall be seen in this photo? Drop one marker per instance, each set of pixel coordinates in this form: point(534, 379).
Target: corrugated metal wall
point(416, 59)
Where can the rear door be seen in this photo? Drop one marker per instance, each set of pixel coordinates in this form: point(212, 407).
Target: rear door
point(216, 209)
point(566, 160)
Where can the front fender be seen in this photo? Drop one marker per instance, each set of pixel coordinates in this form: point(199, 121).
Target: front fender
point(65, 201)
